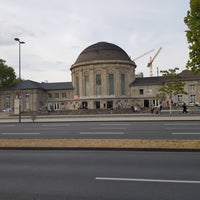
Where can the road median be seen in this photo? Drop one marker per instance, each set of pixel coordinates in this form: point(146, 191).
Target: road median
point(100, 144)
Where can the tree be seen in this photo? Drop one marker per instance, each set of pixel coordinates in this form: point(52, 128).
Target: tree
point(7, 74)
point(192, 20)
point(172, 85)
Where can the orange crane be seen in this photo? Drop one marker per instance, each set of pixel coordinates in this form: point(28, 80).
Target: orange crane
point(144, 54)
point(150, 64)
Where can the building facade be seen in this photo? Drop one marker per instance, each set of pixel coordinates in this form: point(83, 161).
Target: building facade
point(103, 77)
point(144, 90)
point(34, 96)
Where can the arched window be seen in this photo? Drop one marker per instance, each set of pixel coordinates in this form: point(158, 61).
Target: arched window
point(98, 84)
point(86, 84)
point(77, 86)
point(123, 91)
point(110, 84)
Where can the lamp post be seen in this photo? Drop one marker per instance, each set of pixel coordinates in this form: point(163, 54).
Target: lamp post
point(19, 42)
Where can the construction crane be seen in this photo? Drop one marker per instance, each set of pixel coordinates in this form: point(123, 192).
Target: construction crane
point(144, 54)
point(150, 64)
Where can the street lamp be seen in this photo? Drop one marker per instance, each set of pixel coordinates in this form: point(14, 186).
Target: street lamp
point(19, 42)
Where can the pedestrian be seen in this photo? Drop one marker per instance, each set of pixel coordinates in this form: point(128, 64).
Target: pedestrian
point(184, 108)
point(160, 107)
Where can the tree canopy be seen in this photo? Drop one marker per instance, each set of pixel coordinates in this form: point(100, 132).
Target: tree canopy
point(172, 86)
point(7, 74)
point(192, 20)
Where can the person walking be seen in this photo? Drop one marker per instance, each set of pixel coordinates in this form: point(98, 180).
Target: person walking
point(160, 107)
point(184, 108)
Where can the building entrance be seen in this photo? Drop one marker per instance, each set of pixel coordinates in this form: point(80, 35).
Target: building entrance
point(109, 104)
point(146, 103)
point(84, 105)
point(97, 104)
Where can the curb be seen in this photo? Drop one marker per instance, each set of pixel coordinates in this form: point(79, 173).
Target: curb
point(100, 149)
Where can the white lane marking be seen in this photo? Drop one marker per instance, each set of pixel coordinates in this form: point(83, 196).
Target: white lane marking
point(182, 124)
point(109, 128)
point(185, 133)
point(38, 128)
point(20, 133)
point(7, 125)
point(114, 124)
point(180, 128)
point(147, 180)
point(55, 125)
point(102, 133)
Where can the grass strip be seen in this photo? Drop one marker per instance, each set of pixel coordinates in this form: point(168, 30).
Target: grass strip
point(100, 143)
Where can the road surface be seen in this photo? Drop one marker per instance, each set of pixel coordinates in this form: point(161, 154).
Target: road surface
point(106, 130)
point(89, 175)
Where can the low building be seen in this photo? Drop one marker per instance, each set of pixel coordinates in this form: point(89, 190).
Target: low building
point(144, 90)
point(36, 96)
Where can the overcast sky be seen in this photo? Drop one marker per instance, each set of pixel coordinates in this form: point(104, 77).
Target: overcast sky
point(55, 32)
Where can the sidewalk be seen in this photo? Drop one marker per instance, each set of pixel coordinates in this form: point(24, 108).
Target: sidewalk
point(103, 117)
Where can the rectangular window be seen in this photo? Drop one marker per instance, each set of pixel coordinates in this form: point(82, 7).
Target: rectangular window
point(123, 84)
point(149, 91)
point(50, 95)
point(56, 95)
point(27, 95)
point(111, 84)
point(192, 98)
point(192, 88)
point(64, 95)
point(56, 106)
point(180, 98)
point(141, 91)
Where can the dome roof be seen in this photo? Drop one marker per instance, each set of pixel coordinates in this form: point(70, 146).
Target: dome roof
point(102, 51)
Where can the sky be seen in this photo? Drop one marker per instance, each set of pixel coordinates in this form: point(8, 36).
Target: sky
point(55, 32)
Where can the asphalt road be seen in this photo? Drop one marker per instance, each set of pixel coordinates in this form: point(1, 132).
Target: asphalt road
point(106, 130)
point(99, 175)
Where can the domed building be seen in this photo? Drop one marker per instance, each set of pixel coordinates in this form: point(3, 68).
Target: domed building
point(101, 76)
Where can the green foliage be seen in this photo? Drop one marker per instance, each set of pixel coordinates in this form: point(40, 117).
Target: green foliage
point(173, 85)
point(192, 20)
point(7, 74)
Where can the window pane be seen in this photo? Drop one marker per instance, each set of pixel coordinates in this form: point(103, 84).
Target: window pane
point(98, 84)
point(86, 77)
point(77, 85)
point(98, 79)
point(122, 84)
point(111, 84)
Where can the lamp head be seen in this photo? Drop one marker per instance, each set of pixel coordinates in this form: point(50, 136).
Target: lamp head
point(18, 40)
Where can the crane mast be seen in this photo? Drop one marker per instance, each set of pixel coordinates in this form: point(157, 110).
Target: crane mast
point(150, 64)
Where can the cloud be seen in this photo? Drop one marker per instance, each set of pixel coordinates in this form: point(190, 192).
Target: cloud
point(57, 31)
